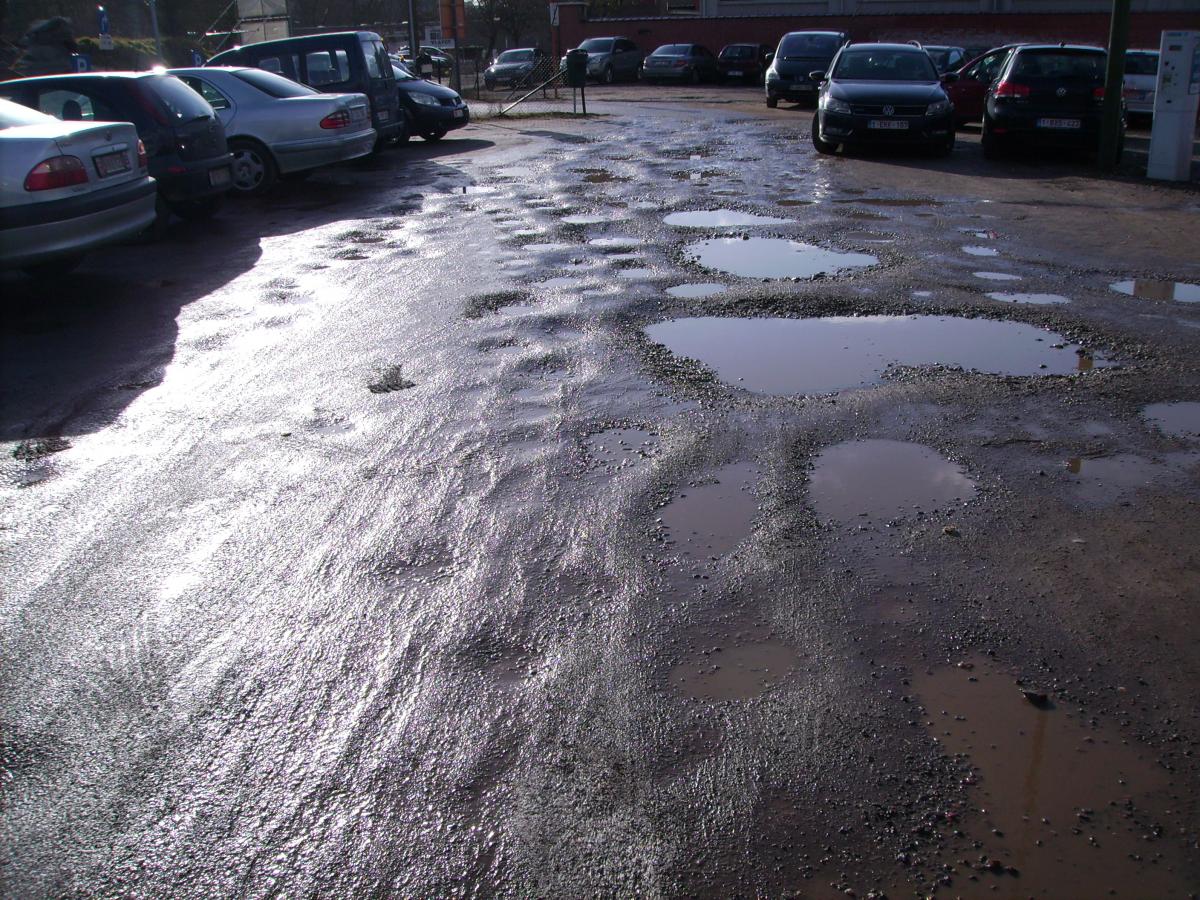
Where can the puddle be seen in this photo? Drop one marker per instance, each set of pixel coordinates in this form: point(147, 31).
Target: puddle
point(566, 281)
point(711, 518)
point(693, 291)
point(816, 356)
point(981, 251)
point(876, 480)
point(791, 202)
point(547, 248)
point(1152, 289)
point(615, 243)
point(863, 214)
point(1180, 419)
point(720, 218)
point(1035, 299)
point(997, 276)
point(773, 258)
point(866, 237)
point(734, 672)
point(1105, 478)
point(636, 274)
point(601, 176)
point(891, 201)
point(580, 219)
point(1060, 801)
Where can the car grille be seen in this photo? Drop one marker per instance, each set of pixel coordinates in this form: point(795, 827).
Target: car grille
point(876, 109)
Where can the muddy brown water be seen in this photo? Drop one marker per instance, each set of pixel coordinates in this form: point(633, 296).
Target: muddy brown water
point(873, 480)
point(738, 671)
point(773, 258)
point(720, 218)
point(1070, 805)
point(1178, 419)
point(714, 516)
point(1152, 289)
point(1106, 478)
point(814, 356)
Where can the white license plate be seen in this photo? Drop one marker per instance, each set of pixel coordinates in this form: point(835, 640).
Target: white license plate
point(384, 115)
point(888, 124)
point(112, 164)
point(736, 72)
point(1066, 124)
point(458, 114)
point(220, 177)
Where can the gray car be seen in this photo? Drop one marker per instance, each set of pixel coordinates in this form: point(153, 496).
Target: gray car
point(610, 58)
point(67, 188)
point(278, 127)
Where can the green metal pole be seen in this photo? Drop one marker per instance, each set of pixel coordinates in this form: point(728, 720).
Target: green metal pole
point(1114, 82)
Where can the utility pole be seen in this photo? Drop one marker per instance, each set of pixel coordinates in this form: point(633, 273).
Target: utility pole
point(414, 49)
point(1114, 83)
point(154, 26)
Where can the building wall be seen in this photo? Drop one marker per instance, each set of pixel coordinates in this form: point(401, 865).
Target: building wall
point(730, 21)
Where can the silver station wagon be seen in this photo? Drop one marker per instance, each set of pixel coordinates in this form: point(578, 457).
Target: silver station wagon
point(276, 126)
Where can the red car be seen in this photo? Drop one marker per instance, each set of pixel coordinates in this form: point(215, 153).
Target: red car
point(970, 90)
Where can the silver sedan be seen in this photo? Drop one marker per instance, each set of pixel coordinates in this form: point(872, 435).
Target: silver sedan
point(278, 127)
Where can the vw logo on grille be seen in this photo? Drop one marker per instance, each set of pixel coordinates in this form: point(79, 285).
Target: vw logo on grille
point(1061, 92)
point(889, 110)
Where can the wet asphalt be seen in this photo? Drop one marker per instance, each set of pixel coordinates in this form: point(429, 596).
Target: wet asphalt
point(362, 542)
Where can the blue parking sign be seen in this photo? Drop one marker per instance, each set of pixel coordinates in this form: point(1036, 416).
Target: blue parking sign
point(101, 20)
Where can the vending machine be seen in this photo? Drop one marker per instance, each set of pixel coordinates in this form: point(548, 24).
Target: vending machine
point(1176, 99)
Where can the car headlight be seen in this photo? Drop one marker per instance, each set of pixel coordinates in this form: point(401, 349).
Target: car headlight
point(834, 105)
point(425, 99)
point(940, 108)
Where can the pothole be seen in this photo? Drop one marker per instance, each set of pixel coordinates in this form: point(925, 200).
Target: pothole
point(820, 355)
point(878, 480)
point(1058, 801)
point(1107, 478)
point(696, 291)
point(1153, 289)
point(997, 276)
point(980, 251)
point(720, 218)
point(709, 519)
point(1178, 419)
point(891, 201)
point(581, 219)
point(737, 672)
point(773, 258)
point(1034, 299)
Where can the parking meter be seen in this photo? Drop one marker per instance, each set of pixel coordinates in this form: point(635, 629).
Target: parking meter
point(577, 68)
point(425, 66)
point(1176, 97)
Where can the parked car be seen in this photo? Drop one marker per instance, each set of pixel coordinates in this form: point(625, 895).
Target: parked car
point(610, 58)
point(513, 68)
point(432, 109)
point(798, 54)
point(279, 127)
point(969, 91)
point(883, 93)
point(1141, 81)
point(692, 63)
point(441, 61)
point(745, 62)
point(946, 59)
point(1047, 95)
point(67, 188)
point(184, 140)
point(340, 62)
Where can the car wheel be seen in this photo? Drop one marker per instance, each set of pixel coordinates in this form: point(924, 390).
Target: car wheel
point(406, 131)
point(772, 102)
point(48, 271)
point(434, 135)
point(822, 146)
point(254, 169)
point(197, 210)
point(609, 77)
point(989, 141)
point(694, 78)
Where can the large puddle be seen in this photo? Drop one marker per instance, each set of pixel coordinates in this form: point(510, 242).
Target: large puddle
point(695, 291)
point(1106, 478)
point(720, 218)
point(1152, 289)
point(711, 518)
point(1062, 807)
point(814, 356)
point(1181, 419)
point(773, 258)
point(876, 480)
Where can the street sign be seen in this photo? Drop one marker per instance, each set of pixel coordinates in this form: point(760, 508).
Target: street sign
point(106, 42)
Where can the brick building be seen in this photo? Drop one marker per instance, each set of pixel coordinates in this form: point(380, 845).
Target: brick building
point(959, 22)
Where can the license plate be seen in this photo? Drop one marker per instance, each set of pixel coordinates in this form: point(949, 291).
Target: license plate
point(888, 124)
point(358, 114)
point(112, 164)
point(1059, 123)
point(220, 177)
point(384, 115)
point(736, 72)
point(458, 114)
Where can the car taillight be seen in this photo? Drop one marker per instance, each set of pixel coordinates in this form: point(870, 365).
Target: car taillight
point(1011, 90)
point(56, 172)
point(339, 119)
point(1098, 93)
point(141, 155)
point(680, 63)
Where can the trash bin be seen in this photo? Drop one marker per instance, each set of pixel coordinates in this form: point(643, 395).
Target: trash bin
point(577, 68)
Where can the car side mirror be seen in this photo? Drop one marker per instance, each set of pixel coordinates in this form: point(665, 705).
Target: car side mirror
point(949, 77)
point(770, 57)
point(817, 75)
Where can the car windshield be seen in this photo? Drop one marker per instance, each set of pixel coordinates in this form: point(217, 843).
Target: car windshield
point(1060, 65)
point(273, 85)
point(673, 50)
point(180, 101)
point(13, 115)
point(512, 56)
point(800, 46)
point(402, 74)
point(597, 45)
point(885, 65)
point(739, 51)
point(1141, 63)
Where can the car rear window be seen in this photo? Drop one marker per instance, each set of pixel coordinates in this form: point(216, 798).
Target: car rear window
point(376, 59)
point(1141, 63)
point(13, 115)
point(801, 45)
point(885, 65)
point(273, 85)
point(512, 56)
point(1060, 65)
point(673, 50)
point(181, 102)
point(740, 52)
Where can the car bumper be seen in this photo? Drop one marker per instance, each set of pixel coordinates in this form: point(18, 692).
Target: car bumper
point(447, 117)
point(43, 232)
point(195, 180)
point(668, 74)
point(842, 128)
point(1024, 126)
point(794, 91)
point(296, 156)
